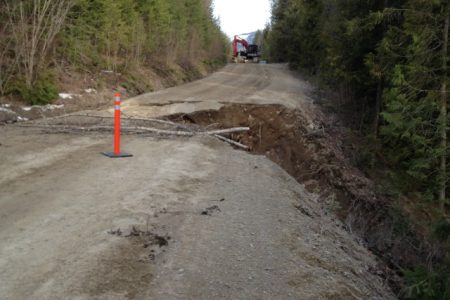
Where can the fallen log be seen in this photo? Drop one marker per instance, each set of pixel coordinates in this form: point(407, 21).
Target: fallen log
point(140, 129)
point(229, 141)
point(225, 131)
point(190, 133)
point(123, 118)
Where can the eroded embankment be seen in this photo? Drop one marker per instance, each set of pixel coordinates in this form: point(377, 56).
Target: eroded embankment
point(315, 155)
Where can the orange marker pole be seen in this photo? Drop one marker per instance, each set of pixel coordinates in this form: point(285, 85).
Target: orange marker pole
point(117, 153)
point(117, 124)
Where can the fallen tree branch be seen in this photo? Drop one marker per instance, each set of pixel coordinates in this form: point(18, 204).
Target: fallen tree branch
point(230, 130)
point(161, 131)
point(124, 118)
point(141, 129)
point(190, 133)
point(234, 143)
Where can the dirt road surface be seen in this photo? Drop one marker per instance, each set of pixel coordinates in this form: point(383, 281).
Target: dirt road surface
point(185, 218)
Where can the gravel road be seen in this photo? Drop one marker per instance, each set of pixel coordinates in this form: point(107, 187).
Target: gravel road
point(185, 218)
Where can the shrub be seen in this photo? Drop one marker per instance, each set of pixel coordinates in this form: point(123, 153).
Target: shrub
point(441, 230)
point(424, 284)
point(43, 91)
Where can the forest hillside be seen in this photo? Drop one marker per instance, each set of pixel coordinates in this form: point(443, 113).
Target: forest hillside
point(111, 42)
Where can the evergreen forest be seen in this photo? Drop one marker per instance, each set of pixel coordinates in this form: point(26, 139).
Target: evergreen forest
point(386, 64)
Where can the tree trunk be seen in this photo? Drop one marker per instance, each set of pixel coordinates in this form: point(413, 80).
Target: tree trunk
point(443, 187)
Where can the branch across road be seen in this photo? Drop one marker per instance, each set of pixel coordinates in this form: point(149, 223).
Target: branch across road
point(186, 132)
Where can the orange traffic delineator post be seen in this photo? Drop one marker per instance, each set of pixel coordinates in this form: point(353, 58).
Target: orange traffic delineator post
point(117, 153)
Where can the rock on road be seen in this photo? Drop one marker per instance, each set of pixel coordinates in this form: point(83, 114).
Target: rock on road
point(73, 223)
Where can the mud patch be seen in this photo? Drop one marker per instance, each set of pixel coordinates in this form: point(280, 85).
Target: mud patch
point(125, 270)
point(145, 239)
point(149, 238)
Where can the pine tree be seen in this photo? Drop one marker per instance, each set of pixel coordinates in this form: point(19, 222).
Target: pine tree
point(415, 115)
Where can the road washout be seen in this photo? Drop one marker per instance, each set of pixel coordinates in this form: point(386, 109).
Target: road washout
point(317, 156)
point(314, 149)
point(187, 217)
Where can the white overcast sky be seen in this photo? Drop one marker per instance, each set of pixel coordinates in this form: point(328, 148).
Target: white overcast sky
point(242, 16)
